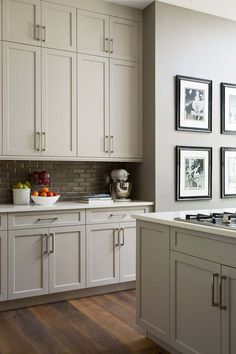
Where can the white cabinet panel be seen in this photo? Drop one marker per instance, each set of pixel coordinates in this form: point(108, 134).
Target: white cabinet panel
point(58, 26)
point(92, 33)
point(194, 321)
point(93, 106)
point(127, 252)
point(59, 103)
point(21, 99)
point(67, 258)
point(27, 263)
point(124, 109)
point(21, 20)
point(102, 254)
point(124, 39)
point(3, 265)
point(229, 312)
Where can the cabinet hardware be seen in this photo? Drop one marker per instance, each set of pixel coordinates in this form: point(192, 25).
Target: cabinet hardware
point(106, 144)
point(111, 45)
point(106, 45)
point(122, 231)
point(37, 141)
point(115, 234)
point(44, 33)
point(213, 302)
point(36, 33)
point(117, 215)
point(112, 144)
point(53, 243)
point(44, 251)
point(46, 219)
point(44, 141)
point(223, 280)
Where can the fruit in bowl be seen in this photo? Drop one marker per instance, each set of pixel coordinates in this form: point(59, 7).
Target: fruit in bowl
point(45, 197)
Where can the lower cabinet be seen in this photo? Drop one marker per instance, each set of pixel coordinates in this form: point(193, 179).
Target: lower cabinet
point(42, 261)
point(3, 265)
point(110, 253)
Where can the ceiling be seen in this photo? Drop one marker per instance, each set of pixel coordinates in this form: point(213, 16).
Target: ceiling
point(226, 9)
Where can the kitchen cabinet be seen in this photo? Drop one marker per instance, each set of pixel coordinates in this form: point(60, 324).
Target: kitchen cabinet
point(59, 103)
point(3, 265)
point(125, 122)
point(42, 261)
point(111, 253)
point(93, 106)
point(21, 21)
point(21, 99)
point(106, 36)
point(194, 302)
point(58, 26)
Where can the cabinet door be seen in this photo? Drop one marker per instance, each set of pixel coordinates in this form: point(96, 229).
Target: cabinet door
point(21, 21)
point(124, 109)
point(59, 103)
point(124, 39)
point(93, 106)
point(153, 278)
point(229, 310)
point(59, 26)
point(102, 251)
point(21, 99)
point(92, 33)
point(194, 319)
point(27, 263)
point(127, 240)
point(3, 265)
point(67, 258)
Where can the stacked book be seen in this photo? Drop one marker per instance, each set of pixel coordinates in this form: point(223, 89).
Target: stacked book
point(96, 199)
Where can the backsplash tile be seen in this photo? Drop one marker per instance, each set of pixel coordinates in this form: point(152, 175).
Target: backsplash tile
point(70, 179)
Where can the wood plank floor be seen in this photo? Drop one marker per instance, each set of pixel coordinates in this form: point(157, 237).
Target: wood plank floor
point(97, 324)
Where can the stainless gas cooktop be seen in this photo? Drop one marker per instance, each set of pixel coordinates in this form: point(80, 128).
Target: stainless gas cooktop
point(224, 220)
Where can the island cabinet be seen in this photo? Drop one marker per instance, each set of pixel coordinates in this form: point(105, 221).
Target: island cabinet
point(3, 265)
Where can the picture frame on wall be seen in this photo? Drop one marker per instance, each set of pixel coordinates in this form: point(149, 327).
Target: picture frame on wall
point(228, 172)
point(228, 108)
point(193, 173)
point(193, 104)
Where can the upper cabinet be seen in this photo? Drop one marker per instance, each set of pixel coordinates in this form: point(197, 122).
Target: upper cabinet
point(107, 36)
point(39, 23)
point(58, 26)
point(21, 21)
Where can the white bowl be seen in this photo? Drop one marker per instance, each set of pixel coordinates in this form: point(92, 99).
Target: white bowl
point(45, 201)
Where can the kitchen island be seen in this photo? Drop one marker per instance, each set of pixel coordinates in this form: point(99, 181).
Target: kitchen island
point(186, 281)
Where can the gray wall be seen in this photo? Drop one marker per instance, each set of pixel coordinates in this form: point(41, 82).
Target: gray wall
point(199, 45)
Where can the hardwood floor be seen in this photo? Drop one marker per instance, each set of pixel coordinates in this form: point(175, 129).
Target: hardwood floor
point(98, 324)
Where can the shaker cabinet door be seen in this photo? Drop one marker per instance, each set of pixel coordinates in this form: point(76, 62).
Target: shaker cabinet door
point(59, 103)
point(93, 106)
point(21, 99)
point(3, 265)
point(21, 21)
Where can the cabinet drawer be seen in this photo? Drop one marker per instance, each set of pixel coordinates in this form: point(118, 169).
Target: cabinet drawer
point(100, 216)
point(45, 219)
point(204, 246)
point(3, 222)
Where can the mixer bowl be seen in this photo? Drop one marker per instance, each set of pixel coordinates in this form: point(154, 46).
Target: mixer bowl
point(121, 190)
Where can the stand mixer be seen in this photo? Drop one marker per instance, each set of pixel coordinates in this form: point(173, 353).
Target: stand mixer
point(120, 188)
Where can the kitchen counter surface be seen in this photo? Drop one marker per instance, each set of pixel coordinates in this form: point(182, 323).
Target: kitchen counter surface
point(11, 208)
point(168, 218)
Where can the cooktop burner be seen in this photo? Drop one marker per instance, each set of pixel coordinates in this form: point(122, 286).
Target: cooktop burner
point(224, 220)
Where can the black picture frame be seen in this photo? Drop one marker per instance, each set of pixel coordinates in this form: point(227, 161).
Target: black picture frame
point(226, 191)
point(180, 108)
point(224, 118)
point(194, 192)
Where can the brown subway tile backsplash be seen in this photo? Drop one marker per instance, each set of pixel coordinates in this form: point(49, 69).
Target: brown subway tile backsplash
point(70, 179)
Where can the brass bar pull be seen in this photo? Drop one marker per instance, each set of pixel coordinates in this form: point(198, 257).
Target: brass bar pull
point(106, 144)
point(223, 280)
point(122, 230)
point(46, 219)
point(44, 141)
point(116, 233)
point(213, 302)
point(53, 243)
point(36, 33)
point(112, 144)
point(44, 251)
point(37, 141)
point(106, 42)
point(44, 33)
point(111, 45)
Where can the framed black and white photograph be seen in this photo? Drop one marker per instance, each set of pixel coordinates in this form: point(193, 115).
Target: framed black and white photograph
point(193, 173)
point(228, 172)
point(228, 108)
point(193, 104)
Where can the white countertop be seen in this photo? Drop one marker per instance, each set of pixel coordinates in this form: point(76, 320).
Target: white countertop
point(168, 218)
point(11, 208)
